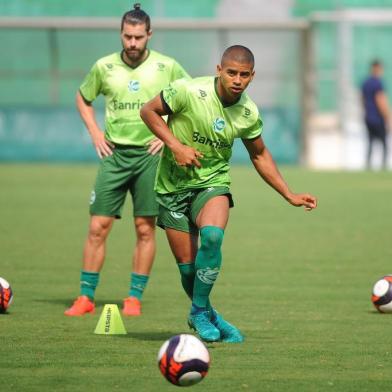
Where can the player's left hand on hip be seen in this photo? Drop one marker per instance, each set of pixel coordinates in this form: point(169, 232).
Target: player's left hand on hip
point(155, 146)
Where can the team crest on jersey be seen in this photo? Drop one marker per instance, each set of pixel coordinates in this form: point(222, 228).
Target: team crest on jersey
point(218, 124)
point(133, 86)
point(161, 66)
point(109, 66)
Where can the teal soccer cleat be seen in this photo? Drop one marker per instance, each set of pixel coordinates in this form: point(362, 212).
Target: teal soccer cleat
point(229, 333)
point(201, 323)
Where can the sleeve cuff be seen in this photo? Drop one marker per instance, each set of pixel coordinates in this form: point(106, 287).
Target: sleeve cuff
point(86, 101)
point(165, 105)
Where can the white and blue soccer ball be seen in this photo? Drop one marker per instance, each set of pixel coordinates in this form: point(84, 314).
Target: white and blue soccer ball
point(183, 360)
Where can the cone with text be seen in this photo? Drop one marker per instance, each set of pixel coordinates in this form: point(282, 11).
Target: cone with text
point(110, 322)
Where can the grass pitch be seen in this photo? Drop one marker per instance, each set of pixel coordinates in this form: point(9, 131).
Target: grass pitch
point(297, 284)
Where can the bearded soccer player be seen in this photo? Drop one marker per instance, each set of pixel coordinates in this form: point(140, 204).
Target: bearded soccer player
point(193, 185)
point(128, 152)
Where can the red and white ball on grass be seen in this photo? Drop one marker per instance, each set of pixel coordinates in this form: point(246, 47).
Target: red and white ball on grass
point(5, 295)
point(382, 294)
point(183, 360)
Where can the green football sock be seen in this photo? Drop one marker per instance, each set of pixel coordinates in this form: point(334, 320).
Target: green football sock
point(207, 265)
point(187, 272)
point(137, 285)
point(88, 283)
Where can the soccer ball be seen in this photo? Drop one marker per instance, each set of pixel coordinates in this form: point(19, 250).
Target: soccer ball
point(382, 294)
point(5, 295)
point(183, 360)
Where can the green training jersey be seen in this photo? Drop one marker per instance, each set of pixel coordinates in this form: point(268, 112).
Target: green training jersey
point(126, 89)
point(200, 120)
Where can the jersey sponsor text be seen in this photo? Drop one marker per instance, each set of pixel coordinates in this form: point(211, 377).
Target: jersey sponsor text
point(218, 144)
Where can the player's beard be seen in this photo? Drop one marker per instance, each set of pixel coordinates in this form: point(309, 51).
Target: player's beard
point(135, 55)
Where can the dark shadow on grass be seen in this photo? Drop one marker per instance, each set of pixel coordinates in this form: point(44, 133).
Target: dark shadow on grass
point(69, 301)
point(160, 336)
point(375, 312)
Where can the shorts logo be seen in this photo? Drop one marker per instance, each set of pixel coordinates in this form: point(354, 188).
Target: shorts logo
point(208, 275)
point(133, 86)
point(218, 124)
point(176, 215)
point(92, 197)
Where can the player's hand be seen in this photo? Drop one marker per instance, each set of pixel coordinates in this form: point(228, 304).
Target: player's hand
point(102, 146)
point(303, 199)
point(155, 146)
point(187, 156)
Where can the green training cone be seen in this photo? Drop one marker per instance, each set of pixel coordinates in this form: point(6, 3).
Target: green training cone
point(110, 322)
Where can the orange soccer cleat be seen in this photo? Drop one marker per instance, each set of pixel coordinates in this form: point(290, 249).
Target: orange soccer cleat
point(81, 306)
point(132, 307)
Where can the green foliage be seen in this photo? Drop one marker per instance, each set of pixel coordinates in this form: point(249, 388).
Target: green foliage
point(296, 283)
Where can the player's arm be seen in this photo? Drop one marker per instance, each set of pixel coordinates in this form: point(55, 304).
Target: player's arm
point(267, 169)
point(382, 104)
point(151, 113)
point(86, 110)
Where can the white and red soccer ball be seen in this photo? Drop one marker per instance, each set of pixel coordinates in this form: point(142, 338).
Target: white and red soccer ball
point(183, 360)
point(5, 295)
point(382, 294)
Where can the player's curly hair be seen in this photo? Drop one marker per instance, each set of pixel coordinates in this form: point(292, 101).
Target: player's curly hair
point(136, 16)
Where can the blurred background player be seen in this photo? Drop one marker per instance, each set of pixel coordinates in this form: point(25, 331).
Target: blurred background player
point(128, 152)
point(376, 108)
point(205, 116)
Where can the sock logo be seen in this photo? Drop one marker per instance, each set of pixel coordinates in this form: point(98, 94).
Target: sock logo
point(207, 275)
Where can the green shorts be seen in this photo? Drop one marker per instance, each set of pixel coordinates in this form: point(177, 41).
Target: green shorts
point(179, 210)
point(129, 169)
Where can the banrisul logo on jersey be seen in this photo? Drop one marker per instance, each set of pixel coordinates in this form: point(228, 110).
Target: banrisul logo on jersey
point(218, 124)
point(133, 86)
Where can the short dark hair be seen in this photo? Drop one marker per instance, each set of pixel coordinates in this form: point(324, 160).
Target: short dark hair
point(376, 63)
point(238, 53)
point(136, 16)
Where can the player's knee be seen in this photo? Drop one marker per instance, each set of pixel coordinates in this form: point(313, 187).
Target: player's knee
point(211, 237)
point(99, 229)
point(145, 231)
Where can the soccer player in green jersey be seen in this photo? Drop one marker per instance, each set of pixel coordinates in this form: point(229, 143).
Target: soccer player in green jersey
point(205, 116)
point(128, 152)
